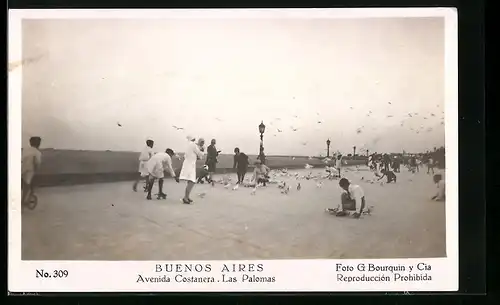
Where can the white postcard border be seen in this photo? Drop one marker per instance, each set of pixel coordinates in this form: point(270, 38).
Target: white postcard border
point(290, 275)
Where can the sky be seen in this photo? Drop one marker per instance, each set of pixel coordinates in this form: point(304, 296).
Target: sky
point(376, 84)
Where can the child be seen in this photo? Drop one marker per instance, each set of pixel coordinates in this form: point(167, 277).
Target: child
point(430, 165)
point(157, 165)
point(389, 174)
point(30, 164)
point(396, 164)
point(441, 186)
point(205, 174)
point(240, 164)
point(352, 199)
point(338, 164)
point(144, 157)
point(413, 165)
point(260, 173)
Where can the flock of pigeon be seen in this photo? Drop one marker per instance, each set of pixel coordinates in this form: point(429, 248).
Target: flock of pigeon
point(276, 177)
point(411, 121)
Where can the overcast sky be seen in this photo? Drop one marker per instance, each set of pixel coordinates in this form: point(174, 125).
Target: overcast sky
point(361, 78)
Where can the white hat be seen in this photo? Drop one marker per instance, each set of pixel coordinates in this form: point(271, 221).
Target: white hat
point(190, 138)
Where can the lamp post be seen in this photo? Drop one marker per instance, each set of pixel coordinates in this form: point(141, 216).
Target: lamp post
point(328, 148)
point(262, 129)
point(354, 152)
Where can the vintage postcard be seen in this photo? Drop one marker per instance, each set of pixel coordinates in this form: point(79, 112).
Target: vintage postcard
point(233, 150)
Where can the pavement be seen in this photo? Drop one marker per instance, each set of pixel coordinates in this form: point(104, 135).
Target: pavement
point(110, 222)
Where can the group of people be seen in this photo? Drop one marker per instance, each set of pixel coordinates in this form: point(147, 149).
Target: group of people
point(152, 167)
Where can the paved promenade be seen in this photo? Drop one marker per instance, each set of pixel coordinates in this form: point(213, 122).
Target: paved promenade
point(110, 222)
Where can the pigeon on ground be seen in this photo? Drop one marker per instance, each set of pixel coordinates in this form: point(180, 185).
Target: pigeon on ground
point(298, 187)
point(235, 187)
point(286, 190)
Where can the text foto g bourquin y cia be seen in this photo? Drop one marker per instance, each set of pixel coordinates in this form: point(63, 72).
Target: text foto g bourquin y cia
point(383, 273)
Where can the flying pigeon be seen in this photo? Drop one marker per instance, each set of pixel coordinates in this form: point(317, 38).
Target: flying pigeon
point(294, 129)
point(432, 114)
point(409, 114)
point(178, 128)
point(390, 116)
point(390, 103)
point(319, 122)
point(351, 107)
point(304, 143)
point(120, 125)
point(218, 119)
point(279, 130)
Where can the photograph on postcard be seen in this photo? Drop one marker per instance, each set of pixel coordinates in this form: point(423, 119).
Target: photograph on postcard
point(212, 139)
point(264, 123)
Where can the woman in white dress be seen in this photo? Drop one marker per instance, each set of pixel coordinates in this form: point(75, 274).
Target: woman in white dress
point(194, 152)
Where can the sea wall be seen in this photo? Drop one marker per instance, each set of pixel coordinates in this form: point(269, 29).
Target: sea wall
point(70, 167)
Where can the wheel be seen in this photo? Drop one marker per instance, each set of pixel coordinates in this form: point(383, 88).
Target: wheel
point(32, 202)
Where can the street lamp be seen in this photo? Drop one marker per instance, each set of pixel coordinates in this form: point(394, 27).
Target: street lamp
point(328, 148)
point(354, 152)
point(262, 129)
